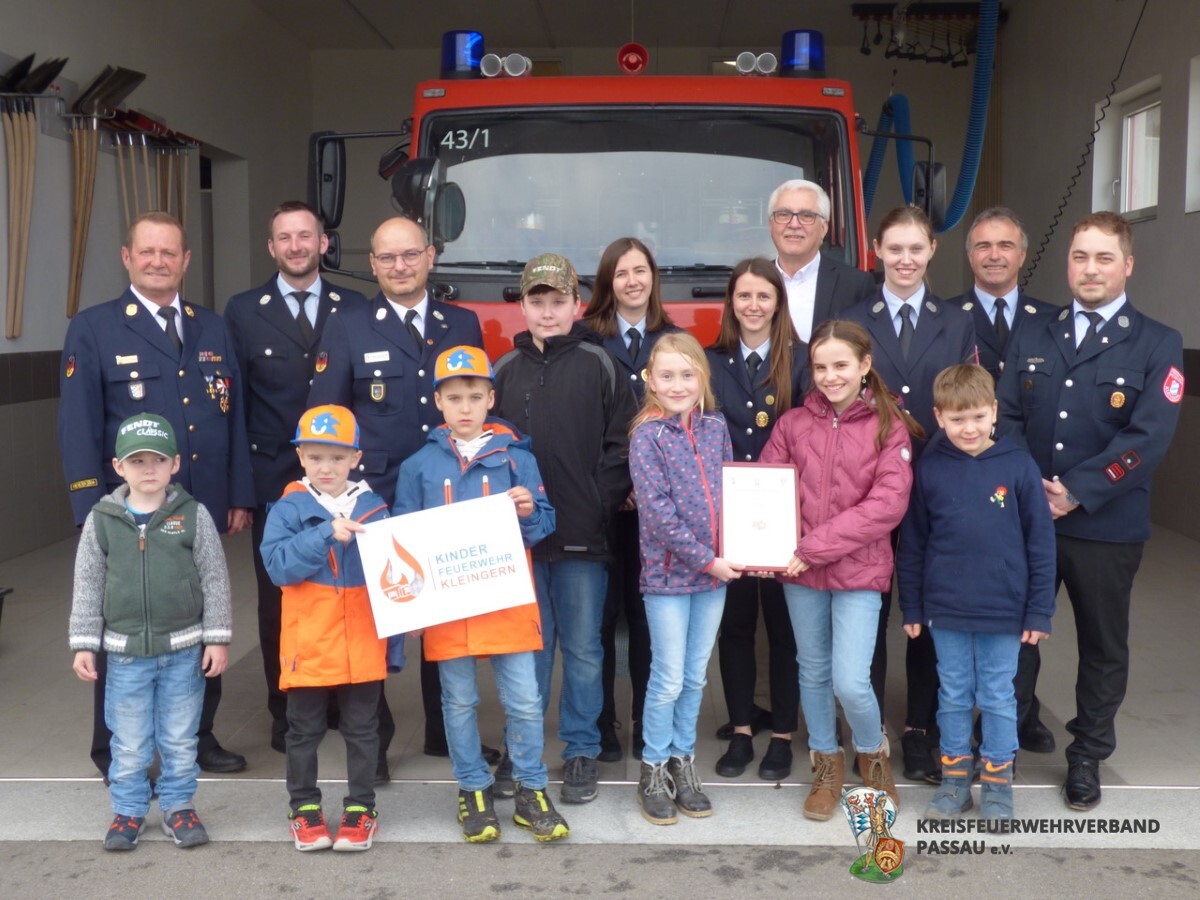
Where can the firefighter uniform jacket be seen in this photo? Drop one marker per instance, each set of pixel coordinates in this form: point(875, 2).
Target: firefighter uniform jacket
point(118, 362)
point(369, 362)
point(1099, 418)
point(278, 365)
point(991, 357)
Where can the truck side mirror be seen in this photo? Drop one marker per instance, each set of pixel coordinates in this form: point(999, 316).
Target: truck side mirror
point(420, 193)
point(449, 215)
point(332, 257)
point(929, 191)
point(327, 176)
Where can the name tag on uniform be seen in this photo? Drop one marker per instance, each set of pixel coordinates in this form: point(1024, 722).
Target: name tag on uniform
point(127, 360)
point(377, 356)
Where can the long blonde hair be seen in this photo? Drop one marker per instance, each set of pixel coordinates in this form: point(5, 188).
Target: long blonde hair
point(689, 348)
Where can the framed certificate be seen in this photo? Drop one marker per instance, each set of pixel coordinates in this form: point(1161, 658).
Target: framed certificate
point(760, 515)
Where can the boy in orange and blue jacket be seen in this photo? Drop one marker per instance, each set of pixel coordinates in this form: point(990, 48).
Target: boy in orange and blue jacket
point(471, 456)
point(328, 644)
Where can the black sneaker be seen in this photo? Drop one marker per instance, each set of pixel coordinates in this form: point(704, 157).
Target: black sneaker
point(1082, 787)
point(183, 826)
point(776, 763)
point(477, 816)
point(734, 760)
point(503, 785)
point(535, 812)
point(610, 745)
point(124, 832)
point(579, 780)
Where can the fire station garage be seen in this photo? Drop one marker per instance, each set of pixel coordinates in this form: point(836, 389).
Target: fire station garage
point(557, 126)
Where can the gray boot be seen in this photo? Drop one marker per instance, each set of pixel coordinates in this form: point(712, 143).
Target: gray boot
point(656, 794)
point(995, 791)
point(953, 796)
point(689, 792)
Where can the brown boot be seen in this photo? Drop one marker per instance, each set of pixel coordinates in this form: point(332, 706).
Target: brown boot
point(876, 770)
point(826, 791)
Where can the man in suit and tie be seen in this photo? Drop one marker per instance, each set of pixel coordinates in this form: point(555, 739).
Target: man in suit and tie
point(275, 330)
point(996, 247)
point(818, 286)
point(1095, 393)
point(149, 351)
point(378, 360)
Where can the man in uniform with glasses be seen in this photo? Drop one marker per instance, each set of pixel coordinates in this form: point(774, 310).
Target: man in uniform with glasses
point(377, 359)
point(818, 286)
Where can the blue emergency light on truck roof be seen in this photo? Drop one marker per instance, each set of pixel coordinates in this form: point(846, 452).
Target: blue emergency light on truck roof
point(461, 53)
point(802, 54)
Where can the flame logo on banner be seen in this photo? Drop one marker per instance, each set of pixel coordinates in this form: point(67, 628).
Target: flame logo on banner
point(402, 578)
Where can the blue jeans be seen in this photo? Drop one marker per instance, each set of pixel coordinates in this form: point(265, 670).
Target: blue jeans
point(570, 595)
point(516, 685)
point(977, 669)
point(683, 630)
point(835, 641)
point(153, 703)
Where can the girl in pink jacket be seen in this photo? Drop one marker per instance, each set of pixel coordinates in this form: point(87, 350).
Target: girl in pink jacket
point(850, 442)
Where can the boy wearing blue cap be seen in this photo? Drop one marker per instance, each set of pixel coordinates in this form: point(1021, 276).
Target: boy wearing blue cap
point(474, 455)
point(327, 643)
point(151, 589)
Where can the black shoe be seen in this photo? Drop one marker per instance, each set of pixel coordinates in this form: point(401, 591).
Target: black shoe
point(1036, 738)
point(1083, 784)
point(579, 780)
point(739, 755)
point(639, 742)
point(760, 720)
point(434, 747)
point(776, 763)
point(218, 759)
point(921, 757)
point(610, 746)
point(504, 787)
point(490, 755)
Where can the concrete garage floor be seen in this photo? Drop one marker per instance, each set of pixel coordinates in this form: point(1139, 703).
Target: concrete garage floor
point(54, 810)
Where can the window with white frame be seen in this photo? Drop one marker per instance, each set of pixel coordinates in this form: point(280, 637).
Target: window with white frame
point(1141, 121)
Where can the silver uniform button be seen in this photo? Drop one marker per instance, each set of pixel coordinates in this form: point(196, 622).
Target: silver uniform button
point(420, 373)
point(268, 351)
point(1001, 365)
point(425, 428)
point(362, 468)
point(378, 373)
point(1120, 380)
point(1069, 383)
point(749, 458)
point(1058, 446)
point(633, 377)
point(905, 389)
point(749, 404)
point(424, 399)
point(254, 446)
point(1063, 414)
point(1032, 368)
point(749, 431)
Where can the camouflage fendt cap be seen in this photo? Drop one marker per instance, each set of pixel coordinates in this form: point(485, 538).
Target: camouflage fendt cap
point(551, 270)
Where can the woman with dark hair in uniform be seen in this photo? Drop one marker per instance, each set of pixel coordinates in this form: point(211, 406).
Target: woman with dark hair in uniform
point(759, 371)
point(626, 316)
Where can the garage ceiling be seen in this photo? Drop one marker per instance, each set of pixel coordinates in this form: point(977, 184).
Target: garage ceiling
point(516, 24)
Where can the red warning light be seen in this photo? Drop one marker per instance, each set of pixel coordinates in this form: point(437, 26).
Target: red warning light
point(633, 58)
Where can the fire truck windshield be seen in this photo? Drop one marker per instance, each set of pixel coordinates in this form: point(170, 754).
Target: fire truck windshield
point(692, 182)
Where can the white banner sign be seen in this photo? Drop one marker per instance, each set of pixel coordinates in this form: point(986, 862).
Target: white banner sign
point(443, 564)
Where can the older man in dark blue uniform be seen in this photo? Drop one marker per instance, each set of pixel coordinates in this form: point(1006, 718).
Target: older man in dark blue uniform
point(1095, 392)
point(275, 330)
point(147, 351)
point(996, 247)
point(377, 359)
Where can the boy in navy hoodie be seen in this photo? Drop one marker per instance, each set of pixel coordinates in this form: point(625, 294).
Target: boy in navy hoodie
point(976, 567)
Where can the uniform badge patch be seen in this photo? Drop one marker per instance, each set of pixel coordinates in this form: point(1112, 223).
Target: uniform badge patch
point(210, 357)
point(878, 307)
point(70, 365)
point(137, 390)
point(125, 360)
point(1114, 472)
point(131, 309)
point(334, 297)
point(322, 361)
point(437, 315)
point(1173, 386)
point(84, 484)
point(1062, 315)
point(1031, 309)
point(189, 312)
point(264, 299)
point(1131, 459)
point(380, 315)
point(762, 420)
point(931, 306)
point(1117, 400)
point(378, 391)
point(968, 306)
point(770, 398)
